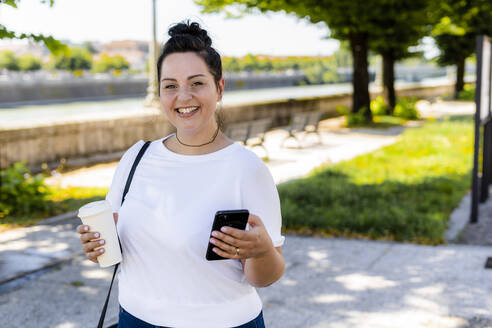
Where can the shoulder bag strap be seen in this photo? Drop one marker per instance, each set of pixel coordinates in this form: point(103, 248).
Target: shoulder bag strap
point(127, 186)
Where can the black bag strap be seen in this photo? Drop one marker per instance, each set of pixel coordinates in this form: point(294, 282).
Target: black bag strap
point(127, 186)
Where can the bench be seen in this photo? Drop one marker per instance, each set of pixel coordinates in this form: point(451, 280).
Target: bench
point(251, 130)
point(307, 122)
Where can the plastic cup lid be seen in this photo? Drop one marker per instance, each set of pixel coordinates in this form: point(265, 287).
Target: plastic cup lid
point(93, 208)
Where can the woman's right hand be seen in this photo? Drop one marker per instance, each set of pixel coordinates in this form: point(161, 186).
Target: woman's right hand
point(90, 240)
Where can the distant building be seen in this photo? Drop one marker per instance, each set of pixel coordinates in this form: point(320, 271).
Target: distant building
point(26, 47)
point(135, 52)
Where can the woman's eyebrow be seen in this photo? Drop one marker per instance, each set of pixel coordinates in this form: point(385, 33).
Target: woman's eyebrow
point(189, 77)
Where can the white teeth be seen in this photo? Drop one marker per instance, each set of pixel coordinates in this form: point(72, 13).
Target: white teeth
point(185, 110)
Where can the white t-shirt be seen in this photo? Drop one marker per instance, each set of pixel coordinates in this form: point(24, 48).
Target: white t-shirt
point(164, 227)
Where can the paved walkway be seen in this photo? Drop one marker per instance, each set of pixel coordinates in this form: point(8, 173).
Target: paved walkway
point(329, 282)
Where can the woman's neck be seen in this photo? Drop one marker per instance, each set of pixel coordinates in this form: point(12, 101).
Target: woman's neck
point(174, 145)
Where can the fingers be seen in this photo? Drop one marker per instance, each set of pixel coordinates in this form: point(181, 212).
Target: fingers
point(236, 233)
point(89, 243)
point(234, 236)
point(89, 236)
point(227, 254)
point(89, 247)
point(229, 244)
point(83, 228)
point(93, 255)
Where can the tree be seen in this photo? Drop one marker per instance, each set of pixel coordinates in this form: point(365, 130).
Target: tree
point(459, 23)
point(8, 61)
point(107, 63)
point(51, 43)
point(347, 20)
point(74, 59)
point(29, 62)
point(90, 47)
point(249, 63)
point(402, 24)
point(230, 64)
point(454, 51)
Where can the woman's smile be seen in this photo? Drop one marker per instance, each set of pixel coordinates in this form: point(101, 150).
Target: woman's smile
point(185, 112)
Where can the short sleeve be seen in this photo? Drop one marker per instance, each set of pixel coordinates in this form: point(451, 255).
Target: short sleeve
point(260, 197)
point(120, 176)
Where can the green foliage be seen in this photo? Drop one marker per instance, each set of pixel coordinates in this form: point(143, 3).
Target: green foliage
point(29, 62)
point(20, 192)
point(468, 93)
point(353, 119)
point(8, 61)
point(74, 59)
point(55, 46)
point(454, 48)
point(317, 69)
point(107, 63)
point(459, 22)
point(353, 21)
point(402, 192)
point(231, 64)
point(401, 24)
point(378, 106)
point(406, 108)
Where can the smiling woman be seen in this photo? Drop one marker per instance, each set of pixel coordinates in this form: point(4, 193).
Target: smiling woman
point(179, 185)
point(189, 96)
point(191, 84)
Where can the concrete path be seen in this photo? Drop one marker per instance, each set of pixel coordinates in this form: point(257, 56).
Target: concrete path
point(328, 282)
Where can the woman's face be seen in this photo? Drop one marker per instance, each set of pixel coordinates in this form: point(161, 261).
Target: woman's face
point(187, 84)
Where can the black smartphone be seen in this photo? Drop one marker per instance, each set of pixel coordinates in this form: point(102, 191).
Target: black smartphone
point(231, 218)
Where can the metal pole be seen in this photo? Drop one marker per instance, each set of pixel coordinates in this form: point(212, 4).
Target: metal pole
point(152, 99)
point(478, 95)
point(484, 184)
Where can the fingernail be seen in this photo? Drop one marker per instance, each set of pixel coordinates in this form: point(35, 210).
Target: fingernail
point(215, 234)
point(101, 250)
point(86, 228)
point(101, 242)
point(223, 229)
point(96, 235)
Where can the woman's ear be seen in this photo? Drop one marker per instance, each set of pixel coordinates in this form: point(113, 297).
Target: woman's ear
point(221, 86)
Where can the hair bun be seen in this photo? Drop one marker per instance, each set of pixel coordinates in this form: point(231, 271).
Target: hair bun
point(192, 29)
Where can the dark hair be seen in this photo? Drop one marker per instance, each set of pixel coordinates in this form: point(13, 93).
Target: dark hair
point(186, 36)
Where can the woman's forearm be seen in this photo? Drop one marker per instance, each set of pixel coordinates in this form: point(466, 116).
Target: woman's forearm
point(265, 270)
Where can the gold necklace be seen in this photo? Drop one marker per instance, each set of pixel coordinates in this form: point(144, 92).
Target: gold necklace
point(215, 135)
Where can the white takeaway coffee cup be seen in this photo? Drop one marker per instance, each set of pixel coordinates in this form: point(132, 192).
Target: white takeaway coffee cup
point(98, 216)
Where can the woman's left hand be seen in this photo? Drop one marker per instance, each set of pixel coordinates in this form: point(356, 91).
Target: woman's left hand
point(253, 243)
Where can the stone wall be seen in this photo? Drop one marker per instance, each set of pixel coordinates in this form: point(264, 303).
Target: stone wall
point(81, 143)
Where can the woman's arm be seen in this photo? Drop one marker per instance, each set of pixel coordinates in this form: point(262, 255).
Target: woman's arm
point(265, 270)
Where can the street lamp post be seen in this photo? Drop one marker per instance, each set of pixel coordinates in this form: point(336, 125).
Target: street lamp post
point(152, 99)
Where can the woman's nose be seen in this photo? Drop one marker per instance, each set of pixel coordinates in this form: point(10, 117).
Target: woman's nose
point(184, 93)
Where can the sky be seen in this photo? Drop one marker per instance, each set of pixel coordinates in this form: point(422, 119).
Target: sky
point(107, 20)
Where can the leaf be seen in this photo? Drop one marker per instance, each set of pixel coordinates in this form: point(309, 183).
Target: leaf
point(9, 2)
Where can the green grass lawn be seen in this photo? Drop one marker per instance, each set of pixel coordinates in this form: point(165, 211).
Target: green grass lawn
point(382, 122)
point(60, 201)
point(402, 192)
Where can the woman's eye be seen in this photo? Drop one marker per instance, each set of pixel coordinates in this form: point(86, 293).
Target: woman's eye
point(170, 86)
point(197, 83)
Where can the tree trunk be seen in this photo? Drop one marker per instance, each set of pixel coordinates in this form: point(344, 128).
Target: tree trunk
point(460, 77)
point(360, 78)
point(389, 80)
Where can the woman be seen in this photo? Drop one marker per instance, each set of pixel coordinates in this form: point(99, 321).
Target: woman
point(182, 180)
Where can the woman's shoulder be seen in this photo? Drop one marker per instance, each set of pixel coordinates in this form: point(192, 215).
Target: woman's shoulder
point(248, 159)
point(132, 151)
